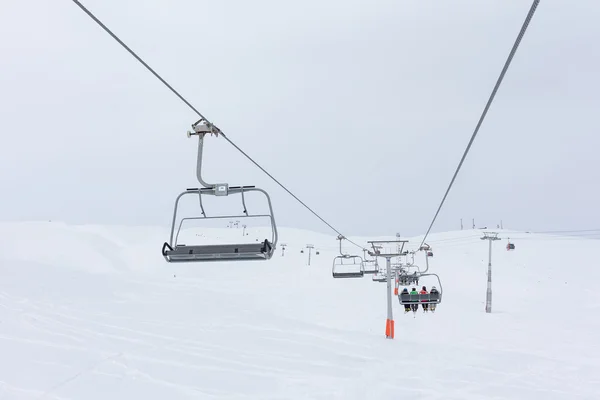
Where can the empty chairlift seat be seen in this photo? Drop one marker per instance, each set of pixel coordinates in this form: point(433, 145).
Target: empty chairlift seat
point(380, 276)
point(173, 251)
point(370, 267)
point(224, 252)
point(176, 252)
point(348, 267)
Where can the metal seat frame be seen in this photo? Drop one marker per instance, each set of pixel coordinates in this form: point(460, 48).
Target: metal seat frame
point(174, 252)
point(380, 277)
point(370, 266)
point(342, 257)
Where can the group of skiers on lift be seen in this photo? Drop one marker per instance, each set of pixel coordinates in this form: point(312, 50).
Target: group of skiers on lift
point(415, 307)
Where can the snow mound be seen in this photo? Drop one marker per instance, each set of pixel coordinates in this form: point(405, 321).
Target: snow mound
point(95, 312)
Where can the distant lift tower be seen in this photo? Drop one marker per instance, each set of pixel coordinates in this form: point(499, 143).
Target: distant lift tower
point(309, 247)
point(490, 236)
point(394, 250)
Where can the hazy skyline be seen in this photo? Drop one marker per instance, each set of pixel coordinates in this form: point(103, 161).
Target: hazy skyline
point(362, 109)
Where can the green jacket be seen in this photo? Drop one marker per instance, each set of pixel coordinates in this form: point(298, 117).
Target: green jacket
point(414, 292)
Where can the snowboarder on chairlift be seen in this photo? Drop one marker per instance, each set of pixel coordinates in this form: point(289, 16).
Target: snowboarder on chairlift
point(425, 305)
point(432, 305)
point(414, 307)
point(406, 306)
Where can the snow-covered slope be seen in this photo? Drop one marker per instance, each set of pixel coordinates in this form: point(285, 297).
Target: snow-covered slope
point(92, 312)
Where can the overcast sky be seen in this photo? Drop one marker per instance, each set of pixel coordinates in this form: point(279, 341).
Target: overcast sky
point(362, 108)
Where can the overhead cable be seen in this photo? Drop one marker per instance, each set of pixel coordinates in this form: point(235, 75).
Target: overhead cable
point(92, 16)
point(485, 110)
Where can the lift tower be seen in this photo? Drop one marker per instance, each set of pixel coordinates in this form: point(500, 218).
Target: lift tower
point(490, 236)
point(393, 249)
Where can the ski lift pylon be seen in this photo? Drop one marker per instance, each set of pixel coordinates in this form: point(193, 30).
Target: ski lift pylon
point(174, 252)
point(347, 266)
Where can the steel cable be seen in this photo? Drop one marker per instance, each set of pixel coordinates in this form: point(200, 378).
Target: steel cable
point(92, 16)
point(485, 110)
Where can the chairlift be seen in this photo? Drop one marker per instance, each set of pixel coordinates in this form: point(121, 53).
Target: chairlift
point(430, 254)
point(172, 251)
point(405, 279)
point(429, 298)
point(370, 266)
point(510, 246)
point(347, 266)
point(380, 276)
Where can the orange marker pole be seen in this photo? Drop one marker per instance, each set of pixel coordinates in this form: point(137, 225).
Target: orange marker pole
point(389, 328)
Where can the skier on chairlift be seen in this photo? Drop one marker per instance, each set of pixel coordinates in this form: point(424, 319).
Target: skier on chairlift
point(415, 306)
point(406, 306)
point(433, 291)
point(425, 305)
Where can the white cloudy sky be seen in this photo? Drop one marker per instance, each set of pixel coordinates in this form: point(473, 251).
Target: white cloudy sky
point(362, 108)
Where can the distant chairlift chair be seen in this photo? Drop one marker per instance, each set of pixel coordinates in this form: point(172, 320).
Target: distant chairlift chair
point(370, 266)
point(347, 266)
point(174, 252)
point(426, 248)
point(380, 276)
point(405, 279)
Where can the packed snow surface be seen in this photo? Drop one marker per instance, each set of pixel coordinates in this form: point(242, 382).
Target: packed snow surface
point(95, 312)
